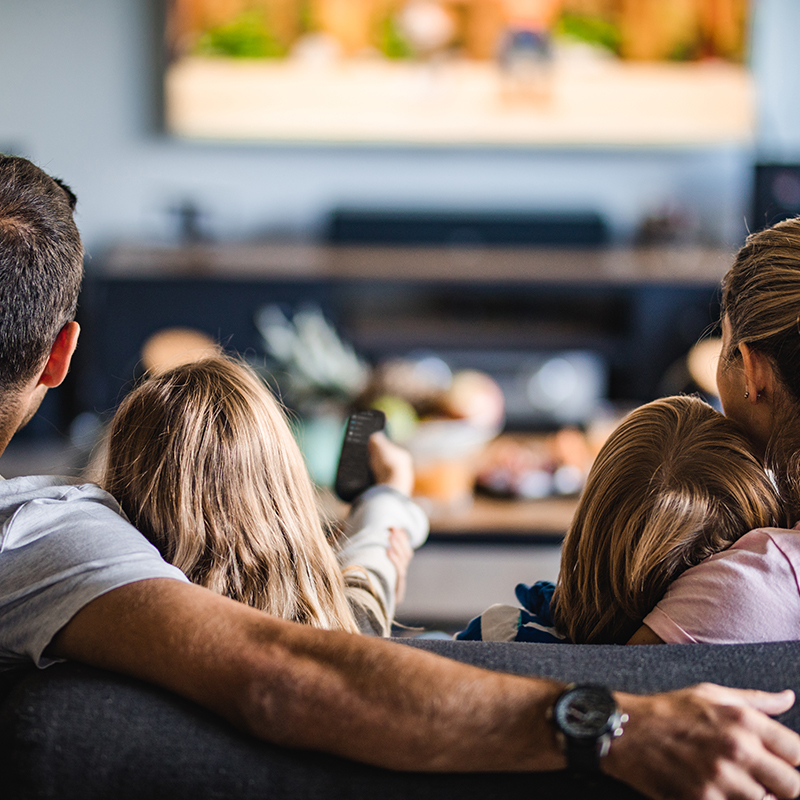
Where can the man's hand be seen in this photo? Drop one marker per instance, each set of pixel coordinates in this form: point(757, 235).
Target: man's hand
point(391, 464)
point(707, 742)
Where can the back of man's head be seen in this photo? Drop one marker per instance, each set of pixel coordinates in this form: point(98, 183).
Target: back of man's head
point(41, 267)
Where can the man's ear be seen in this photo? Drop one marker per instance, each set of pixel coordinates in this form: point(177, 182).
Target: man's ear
point(759, 374)
point(60, 356)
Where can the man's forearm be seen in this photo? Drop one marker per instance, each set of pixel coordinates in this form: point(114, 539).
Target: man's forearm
point(398, 707)
point(359, 697)
point(394, 706)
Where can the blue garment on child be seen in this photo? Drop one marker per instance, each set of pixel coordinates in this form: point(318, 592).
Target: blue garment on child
point(502, 623)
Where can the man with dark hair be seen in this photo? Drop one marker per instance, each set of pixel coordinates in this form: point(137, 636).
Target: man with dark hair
point(42, 262)
point(78, 582)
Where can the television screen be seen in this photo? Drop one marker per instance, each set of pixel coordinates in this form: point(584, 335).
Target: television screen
point(460, 72)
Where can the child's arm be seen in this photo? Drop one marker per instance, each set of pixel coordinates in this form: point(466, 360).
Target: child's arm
point(400, 553)
point(383, 507)
point(645, 635)
point(366, 537)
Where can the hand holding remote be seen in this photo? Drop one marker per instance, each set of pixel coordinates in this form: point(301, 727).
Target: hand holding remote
point(391, 464)
point(354, 474)
point(368, 457)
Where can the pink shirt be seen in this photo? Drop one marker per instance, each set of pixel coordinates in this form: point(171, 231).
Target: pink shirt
point(747, 593)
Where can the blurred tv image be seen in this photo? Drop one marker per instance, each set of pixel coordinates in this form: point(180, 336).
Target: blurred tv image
point(494, 72)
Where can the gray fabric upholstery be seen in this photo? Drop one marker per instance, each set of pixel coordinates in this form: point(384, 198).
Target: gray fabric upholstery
point(74, 732)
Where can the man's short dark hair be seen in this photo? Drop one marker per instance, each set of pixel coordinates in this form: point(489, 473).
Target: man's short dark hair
point(41, 267)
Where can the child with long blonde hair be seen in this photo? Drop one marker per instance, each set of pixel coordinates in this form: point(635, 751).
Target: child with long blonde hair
point(202, 460)
point(675, 483)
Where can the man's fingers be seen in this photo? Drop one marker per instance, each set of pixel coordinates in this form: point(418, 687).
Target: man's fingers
point(732, 782)
point(771, 703)
point(763, 750)
point(718, 742)
point(776, 777)
point(779, 740)
point(774, 763)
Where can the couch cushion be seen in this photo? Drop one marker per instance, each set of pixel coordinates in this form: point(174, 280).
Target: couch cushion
point(75, 732)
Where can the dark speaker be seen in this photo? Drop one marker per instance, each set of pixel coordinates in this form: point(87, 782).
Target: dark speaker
point(777, 194)
point(467, 229)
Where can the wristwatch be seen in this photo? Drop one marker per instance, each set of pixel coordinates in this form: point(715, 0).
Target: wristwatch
point(586, 719)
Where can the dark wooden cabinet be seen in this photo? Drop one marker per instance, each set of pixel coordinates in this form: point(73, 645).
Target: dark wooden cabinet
point(638, 310)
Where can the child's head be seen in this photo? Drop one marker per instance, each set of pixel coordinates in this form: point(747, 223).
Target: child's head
point(674, 483)
point(203, 462)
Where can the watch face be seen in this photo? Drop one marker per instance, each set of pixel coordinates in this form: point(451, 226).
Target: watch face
point(585, 712)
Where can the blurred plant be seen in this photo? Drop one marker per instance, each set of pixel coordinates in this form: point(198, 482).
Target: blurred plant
point(392, 42)
point(305, 15)
point(318, 375)
point(245, 36)
point(590, 29)
point(318, 365)
point(687, 50)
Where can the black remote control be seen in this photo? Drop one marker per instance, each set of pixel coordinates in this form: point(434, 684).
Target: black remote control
point(354, 475)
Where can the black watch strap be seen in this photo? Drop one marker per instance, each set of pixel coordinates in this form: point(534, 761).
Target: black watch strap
point(582, 756)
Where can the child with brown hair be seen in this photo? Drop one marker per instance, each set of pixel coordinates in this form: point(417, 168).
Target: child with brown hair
point(202, 460)
point(675, 483)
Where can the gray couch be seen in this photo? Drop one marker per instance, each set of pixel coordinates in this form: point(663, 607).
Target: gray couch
point(74, 733)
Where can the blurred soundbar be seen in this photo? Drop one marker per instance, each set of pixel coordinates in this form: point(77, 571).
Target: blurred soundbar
point(466, 229)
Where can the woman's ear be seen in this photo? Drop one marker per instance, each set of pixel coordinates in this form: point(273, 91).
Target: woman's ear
point(759, 375)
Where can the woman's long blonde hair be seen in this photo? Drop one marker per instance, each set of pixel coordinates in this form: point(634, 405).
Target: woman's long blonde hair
point(203, 462)
point(674, 483)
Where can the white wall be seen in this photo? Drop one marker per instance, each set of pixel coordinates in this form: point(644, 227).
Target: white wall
point(79, 92)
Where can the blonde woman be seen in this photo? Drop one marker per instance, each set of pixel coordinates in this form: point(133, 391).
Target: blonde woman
point(202, 461)
point(675, 483)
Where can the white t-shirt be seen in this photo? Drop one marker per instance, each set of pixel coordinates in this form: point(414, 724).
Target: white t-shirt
point(747, 593)
point(61, 546)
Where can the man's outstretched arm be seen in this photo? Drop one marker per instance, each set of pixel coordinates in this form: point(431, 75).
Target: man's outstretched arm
point(359, 697)
point(397, 707)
